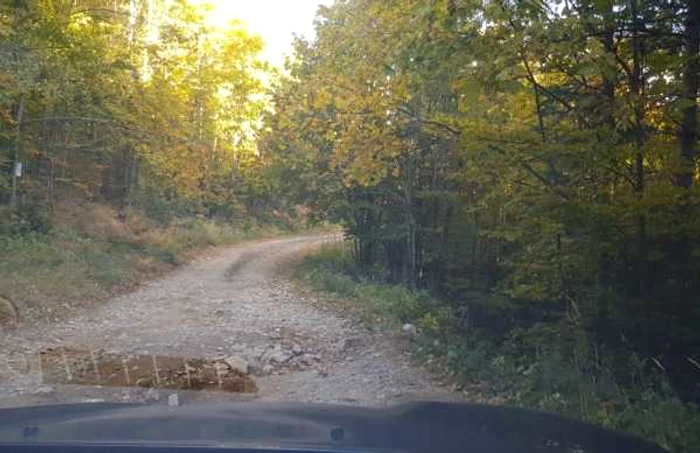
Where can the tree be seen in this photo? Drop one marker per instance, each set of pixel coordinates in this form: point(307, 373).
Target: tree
point(103, 100)
point(526, 149)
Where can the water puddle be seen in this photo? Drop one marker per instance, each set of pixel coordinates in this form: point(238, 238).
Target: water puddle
point(85, 367)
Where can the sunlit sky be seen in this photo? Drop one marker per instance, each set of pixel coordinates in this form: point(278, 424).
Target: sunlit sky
point(274, 20)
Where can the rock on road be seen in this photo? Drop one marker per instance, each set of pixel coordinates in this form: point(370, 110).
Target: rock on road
point(234, 305)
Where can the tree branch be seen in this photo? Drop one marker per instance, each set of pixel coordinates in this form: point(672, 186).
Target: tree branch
point(548, 184)
point(407, 111)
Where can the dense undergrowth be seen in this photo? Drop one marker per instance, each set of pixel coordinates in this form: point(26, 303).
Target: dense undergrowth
point(548, 366)
point(82, 253)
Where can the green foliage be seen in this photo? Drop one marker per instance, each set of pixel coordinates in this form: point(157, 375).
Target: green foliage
point(61, 266)
point(547, 366)
point(134, 124)
point(26, 220)
point(135, 103)
point(339, 284)
point(44, 272)
point(533, 167)
point(194, 234)
point(377, 304)
point(165, 209)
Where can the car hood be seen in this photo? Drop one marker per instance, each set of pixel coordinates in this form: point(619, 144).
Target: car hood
point(414, 427)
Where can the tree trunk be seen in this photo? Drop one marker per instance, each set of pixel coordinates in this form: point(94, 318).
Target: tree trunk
point(688, 134)
point(609, 82)
point(638, 86)
point(18, 147)
point(411, 240)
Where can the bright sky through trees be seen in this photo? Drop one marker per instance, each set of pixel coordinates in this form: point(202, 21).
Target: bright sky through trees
point(274, 20)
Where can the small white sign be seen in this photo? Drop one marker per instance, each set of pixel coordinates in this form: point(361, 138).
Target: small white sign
point(18, 169)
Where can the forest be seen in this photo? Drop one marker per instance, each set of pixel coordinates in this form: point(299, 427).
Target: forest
point(528, 167)
point(127, 143)
point(123, 100)
point(533, 166)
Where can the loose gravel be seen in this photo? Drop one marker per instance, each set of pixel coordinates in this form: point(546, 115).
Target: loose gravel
point(237, 307)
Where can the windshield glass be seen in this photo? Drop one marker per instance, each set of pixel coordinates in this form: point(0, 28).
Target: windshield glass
point(359, 202)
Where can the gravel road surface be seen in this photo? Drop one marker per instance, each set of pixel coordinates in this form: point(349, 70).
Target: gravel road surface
point(236, 310)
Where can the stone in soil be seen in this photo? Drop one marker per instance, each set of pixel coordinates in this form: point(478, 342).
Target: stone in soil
point(352, 343)
point(44, 391)
point(173, 400)
point(280, 357)
point(237, 363)
point(408, 329)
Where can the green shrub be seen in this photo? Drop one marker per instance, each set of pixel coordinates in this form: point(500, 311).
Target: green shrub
point(329, 268)
point(163, 208)
point(393, 304)
point(330, 258)
point(44, 270)
point(551, 365)
point(32, 218)
point(339, 284)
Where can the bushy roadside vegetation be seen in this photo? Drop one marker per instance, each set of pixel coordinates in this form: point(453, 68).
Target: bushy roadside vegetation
point(532, 168)
point(111, 167)
point(83, 253)
point(548, 366)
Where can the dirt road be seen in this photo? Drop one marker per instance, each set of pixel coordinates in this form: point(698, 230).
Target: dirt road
point(234, 308)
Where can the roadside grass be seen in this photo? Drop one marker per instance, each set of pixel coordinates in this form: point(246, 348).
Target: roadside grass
point(91, 255)
point(385, 306)
point(546, 367)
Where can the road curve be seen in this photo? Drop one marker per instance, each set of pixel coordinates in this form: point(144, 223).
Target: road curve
point(232, 304)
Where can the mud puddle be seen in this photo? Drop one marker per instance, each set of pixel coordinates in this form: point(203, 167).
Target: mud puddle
point(65, 365)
